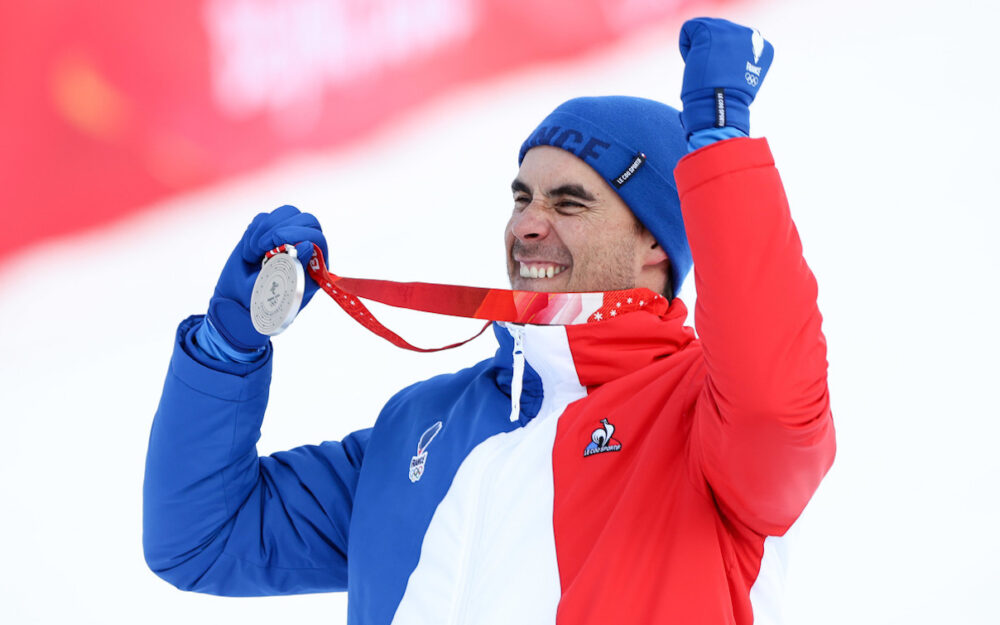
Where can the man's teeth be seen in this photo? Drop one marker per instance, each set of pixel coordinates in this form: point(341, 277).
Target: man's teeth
point(540, 271)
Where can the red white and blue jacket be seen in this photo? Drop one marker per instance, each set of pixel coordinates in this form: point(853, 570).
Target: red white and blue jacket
point(646, 477)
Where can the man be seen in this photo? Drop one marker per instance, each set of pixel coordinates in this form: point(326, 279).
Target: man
point(612, 470)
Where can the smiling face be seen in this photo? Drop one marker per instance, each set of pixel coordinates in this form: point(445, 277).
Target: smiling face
point(570, 232)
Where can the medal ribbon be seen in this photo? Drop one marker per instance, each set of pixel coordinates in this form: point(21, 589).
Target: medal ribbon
point(473, 302)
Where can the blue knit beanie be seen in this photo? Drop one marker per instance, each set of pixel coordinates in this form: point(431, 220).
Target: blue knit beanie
point(634, 144)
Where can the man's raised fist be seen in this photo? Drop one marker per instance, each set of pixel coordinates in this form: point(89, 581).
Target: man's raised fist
point(724, 64)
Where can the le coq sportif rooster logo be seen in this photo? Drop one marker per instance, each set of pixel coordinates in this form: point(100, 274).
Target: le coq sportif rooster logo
point(602, 440)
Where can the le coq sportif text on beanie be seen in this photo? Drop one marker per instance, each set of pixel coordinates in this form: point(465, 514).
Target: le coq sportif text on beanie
point(634, 144)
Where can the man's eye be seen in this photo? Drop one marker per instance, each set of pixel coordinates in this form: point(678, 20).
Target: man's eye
point(521, 199)
point(568, 206)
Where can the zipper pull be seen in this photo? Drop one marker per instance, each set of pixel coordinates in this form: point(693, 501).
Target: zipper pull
point(518, 379)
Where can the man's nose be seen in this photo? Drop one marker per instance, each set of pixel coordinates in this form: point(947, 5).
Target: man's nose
point(531, 222)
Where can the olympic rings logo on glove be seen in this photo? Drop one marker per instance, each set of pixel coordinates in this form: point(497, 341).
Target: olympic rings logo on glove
point(751, 79)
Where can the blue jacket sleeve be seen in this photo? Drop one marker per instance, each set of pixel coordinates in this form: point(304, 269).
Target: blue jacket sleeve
point(219, 519)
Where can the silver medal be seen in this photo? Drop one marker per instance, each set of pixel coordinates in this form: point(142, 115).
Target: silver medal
point(277, 293)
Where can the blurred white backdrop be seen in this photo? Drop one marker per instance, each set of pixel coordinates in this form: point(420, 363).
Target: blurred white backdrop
point(878, 116)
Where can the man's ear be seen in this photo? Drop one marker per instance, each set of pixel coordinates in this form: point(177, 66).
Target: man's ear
point(653, 253)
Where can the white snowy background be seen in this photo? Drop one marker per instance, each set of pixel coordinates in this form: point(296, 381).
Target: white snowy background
point(881, 118)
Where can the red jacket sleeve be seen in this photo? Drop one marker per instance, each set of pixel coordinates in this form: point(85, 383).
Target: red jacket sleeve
point(763, 435)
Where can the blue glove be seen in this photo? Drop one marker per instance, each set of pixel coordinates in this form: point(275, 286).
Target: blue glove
point(229, 308)
point(724, 64)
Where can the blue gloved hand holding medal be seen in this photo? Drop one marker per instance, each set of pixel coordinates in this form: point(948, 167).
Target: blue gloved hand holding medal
point(250, 302)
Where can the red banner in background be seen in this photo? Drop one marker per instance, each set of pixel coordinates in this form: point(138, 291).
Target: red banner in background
point(110, 106)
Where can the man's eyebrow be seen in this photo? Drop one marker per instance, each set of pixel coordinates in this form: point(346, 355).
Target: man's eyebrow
point(571, 189)
point(574, 190)
point(519, 186)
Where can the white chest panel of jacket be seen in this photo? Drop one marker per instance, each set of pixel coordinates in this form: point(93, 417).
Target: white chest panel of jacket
point(488, 556)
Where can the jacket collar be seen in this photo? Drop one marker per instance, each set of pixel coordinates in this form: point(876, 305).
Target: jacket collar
point(607, 350)
point(563, 359)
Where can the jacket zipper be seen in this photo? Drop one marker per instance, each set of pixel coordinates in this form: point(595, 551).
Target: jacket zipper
point(518, 378)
